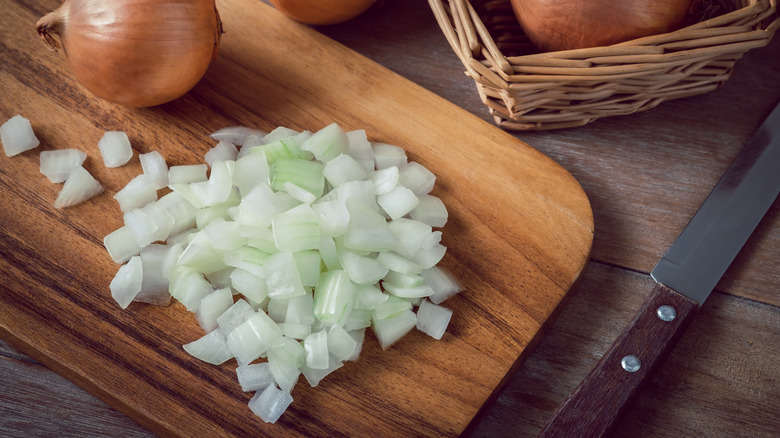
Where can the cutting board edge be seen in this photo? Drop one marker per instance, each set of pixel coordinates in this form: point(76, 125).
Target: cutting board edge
point(527, 351)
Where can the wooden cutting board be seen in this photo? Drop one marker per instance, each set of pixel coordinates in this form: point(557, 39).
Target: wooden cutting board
point(519, 234)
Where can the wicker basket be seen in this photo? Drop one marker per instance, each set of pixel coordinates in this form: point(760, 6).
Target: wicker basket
point(527, 90)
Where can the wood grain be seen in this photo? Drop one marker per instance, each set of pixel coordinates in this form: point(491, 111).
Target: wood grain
point(519, 234)
point(720, 381)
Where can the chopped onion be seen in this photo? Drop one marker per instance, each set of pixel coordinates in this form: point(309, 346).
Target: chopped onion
point(223, 151)
point(138, 192)
point(270, 403)
point(236, 134)
point(127, 282)
point(17, 136)
point(154, 166)
point(115, 148)
point(212, 306)
point(433, 319)
point(57, 165)
point(254, 376)
point(430, 210)
point(416, 178)
point(79, 187)
point(211, 348)
point(388, 155)
point(187, 173)
point(287, 250)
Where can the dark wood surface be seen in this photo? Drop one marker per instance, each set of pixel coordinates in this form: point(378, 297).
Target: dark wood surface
point(645, 175)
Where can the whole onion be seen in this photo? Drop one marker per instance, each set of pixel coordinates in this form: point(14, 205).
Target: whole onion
point(573, 24)
point(322, 12)
point(135, 53)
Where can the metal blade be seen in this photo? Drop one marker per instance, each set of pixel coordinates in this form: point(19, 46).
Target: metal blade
point(700, 256)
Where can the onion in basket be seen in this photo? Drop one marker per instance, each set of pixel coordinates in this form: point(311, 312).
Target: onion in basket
point(573, 24)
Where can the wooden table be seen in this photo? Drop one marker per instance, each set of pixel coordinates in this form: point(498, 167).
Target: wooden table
point(645, 175)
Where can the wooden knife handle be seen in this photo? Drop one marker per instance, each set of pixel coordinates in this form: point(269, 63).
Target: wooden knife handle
point(596, 403)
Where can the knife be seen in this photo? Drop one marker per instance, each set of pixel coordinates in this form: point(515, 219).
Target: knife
point(684, 278)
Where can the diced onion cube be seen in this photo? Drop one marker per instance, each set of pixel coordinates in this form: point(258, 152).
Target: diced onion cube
point(236, 134)
point(138, 192)
point(223, 151)
point(253, 337)
point(430, 210)
point(121, 244)
point(187, 173)
point(79, 187)
point(154, 166)
point(57, 165)
point(417, 178)
point(236, 315)
point(343, 169)
point(115, 148)
point(328, 143)
point(17, 136)
point(127, 282)
point(443, 283)
point(398, 202)
point(211, 348)
point(270, 403)
point(388, 155)
point(390, 330)
point(433, 319)
point(212, 306)
point(254, 376)
point(316, 346)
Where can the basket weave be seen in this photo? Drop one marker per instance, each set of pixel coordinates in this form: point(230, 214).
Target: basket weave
point(527, 90)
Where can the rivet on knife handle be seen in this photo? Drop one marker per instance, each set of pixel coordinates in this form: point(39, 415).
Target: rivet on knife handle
point(593, 407)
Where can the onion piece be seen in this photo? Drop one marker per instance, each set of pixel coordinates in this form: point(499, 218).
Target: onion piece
point(79, 187)
point(223, 151)
point(187, 173)
point(270, 403)
point(115, 148)
point(57, 165)
point(255, 376)
point(17, 136)
point(391, 329)
point(155, 167)
point(210, 348)
point(212, 306)
point(137, 193)
point(388, 155)
point(236, 134)
point(126, 284)
point(433, 319)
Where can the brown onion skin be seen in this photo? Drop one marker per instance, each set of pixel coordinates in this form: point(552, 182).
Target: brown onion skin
point(554, 25)
point(322, 12)
point(135, 53)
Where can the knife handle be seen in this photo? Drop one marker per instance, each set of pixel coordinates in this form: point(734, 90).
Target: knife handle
point(596, 403)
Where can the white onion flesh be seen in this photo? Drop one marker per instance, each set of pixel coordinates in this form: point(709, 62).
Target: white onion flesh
point(286, 250)
point(79, 187)
point(17, 136)
point(155, 167)
point(57, 165)
point(115, 148)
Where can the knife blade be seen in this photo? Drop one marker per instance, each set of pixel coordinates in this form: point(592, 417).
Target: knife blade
point(685, 276)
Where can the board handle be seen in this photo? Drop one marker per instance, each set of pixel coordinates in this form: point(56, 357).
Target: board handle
point(593, 407)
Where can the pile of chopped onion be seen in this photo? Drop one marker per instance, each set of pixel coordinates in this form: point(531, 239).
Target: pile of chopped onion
point(286, 246)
